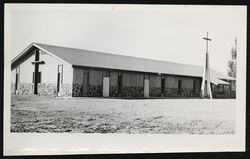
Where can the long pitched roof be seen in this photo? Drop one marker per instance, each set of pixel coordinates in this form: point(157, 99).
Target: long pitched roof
point(79, 57)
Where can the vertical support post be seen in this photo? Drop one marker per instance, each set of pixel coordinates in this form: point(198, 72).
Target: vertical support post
point(36, 71)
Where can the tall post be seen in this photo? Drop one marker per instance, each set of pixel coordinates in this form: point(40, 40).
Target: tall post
point(206, 87)
point(36, 71)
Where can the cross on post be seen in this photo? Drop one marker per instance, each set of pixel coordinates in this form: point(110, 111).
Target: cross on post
point(205, 87)
point(206, 38)
point(37, 76)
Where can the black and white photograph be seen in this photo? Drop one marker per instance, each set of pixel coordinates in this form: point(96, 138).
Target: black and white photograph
point(117, 72)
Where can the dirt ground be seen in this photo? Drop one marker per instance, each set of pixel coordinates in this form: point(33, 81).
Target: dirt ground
point(103, 115)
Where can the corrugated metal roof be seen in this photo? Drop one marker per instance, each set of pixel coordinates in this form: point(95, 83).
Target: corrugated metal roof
point(88, 58)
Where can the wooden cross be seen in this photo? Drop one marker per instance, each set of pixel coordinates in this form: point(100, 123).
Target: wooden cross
point(206, 38)
point(206, 75)
point(36, 63)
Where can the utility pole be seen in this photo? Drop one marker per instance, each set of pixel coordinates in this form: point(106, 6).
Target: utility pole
point(206, 87)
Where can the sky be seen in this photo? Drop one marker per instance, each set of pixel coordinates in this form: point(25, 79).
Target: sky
point(162, 32)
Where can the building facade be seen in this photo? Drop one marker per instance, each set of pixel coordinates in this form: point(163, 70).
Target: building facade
point(58, 71)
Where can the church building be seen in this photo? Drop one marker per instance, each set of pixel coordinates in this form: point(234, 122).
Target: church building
point(59, 71)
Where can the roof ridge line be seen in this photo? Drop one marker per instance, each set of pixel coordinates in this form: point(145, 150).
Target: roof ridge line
point(100, 52)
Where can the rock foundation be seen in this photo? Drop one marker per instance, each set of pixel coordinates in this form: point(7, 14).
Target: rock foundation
point(23, 88)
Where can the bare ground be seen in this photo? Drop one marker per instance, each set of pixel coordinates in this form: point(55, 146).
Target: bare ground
point(100, 115)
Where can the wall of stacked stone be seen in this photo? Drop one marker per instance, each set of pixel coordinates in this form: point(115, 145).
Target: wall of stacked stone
point(155, 92)
point(187, 92)
point(47, 89)
point(77, 90)
point(113, 91)
point(217, 95)
point(66, 90)
point(171, 92)
point(95, 90)
point(196, 93)
point(24, 88)
point(132, 92)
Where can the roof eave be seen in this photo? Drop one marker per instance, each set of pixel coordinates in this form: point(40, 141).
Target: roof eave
point(37, 46)
point(51, 54)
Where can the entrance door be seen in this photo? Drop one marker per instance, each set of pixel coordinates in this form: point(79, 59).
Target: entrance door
point(85, 84)
point(146, 88)
point(119, 83)
point(105, 85)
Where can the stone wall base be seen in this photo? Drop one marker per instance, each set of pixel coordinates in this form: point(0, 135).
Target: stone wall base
point(77, 90)
point(42, 89)
point(51, 90)
point(155, 92)
point(172, 92)
point(23, 89)
point(92, 91)
point(47, 89)
point(66, 90)
point(113, 91)
point(132, 92)
point(95, 90)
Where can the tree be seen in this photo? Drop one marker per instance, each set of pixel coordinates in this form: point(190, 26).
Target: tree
point(232, 64)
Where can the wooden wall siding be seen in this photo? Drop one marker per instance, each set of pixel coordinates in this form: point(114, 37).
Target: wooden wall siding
point(154, 81)
point(78, 76)
point(227, 90)
point(131, 79)
point(96, 76)
point(197, 83)
point(113, 78)
point(171, 81)
point(187, 82)
point(197, 86)
point(133, 84)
